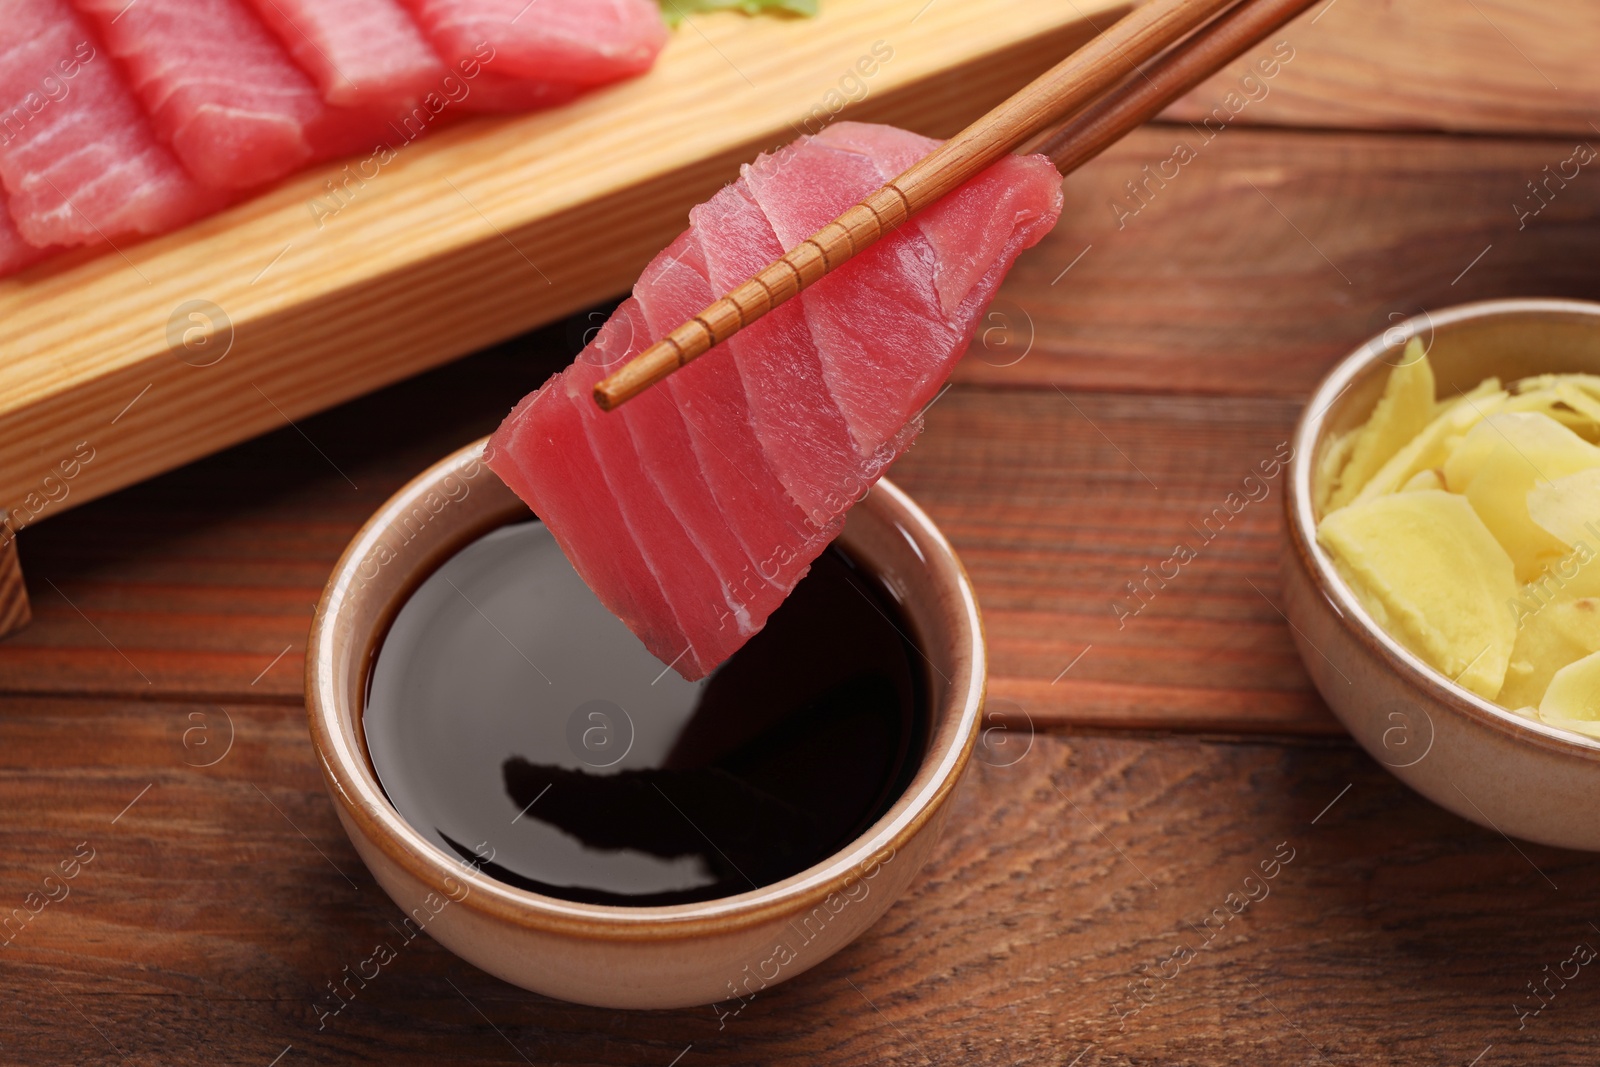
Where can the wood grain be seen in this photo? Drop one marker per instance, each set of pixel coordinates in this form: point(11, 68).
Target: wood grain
point(1488, 66)
point(204, 579)
point(171, 349)
point(196, 583)
point(219, 904)
point(14, 610)
point(152, 714)
point(1274, 253)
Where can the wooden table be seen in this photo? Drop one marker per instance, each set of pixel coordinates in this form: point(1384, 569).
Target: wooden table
point(1131, 377)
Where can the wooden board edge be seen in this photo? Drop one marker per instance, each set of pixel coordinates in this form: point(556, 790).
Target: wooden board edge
point(162, 410)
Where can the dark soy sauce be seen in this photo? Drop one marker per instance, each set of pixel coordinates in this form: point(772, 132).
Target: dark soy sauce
point(520, 726)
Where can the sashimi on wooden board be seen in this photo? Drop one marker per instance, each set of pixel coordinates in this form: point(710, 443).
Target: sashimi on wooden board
point(15, 253)
point(552, 212)
point(222, 90)
point(360, 53)
point(693, 510)
point(79, 160)
point(575, 42)
point(244, 92)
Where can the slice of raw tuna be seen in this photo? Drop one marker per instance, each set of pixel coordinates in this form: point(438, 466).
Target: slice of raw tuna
point(808, 441)
point(573, 489)
point(576, 42)
point(693, 510)
point(15, 253)
point(361, 53)
point(223, 92)
point(495, 93)
point(915, 288)
point(714, 411)
point(77, 155)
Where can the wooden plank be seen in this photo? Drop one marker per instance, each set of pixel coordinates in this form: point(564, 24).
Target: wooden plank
point(202, 583)
point(1246, 306)
point(1489, 66)
point(1057, 501)
point(14, 610)
point(216, 907)
point(179, 346)
point(1272, 254)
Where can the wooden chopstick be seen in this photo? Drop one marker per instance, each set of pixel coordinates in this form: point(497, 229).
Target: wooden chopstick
point(1070, 87)
point(1145, 94)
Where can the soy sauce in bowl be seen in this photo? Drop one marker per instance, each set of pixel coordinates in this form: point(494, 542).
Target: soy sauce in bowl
point(524, 730)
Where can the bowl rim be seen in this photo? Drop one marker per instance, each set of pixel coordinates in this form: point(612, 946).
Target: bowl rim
point(359, 796)
point(1300, 520)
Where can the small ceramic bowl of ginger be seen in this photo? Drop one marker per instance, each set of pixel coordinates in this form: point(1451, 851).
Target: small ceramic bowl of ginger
point(1442, 564)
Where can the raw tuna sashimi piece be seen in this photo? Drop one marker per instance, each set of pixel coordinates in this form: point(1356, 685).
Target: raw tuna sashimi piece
point(77, 155)
point(575, 42)
point(361, 53)
point(223, 92)
point(694, 509)
point(494, 93)
point(916, 288)
point(15, 253)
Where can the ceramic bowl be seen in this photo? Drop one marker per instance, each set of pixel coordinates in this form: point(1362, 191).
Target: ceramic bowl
point(1463, 752)
point(721, 950)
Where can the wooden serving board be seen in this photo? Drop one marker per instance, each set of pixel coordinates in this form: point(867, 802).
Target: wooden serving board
point(153, 354)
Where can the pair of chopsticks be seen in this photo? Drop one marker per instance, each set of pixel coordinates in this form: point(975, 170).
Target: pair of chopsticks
point(1092, 91)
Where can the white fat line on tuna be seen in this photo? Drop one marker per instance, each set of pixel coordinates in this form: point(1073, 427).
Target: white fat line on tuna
point(701, 435)
point(96, 229)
